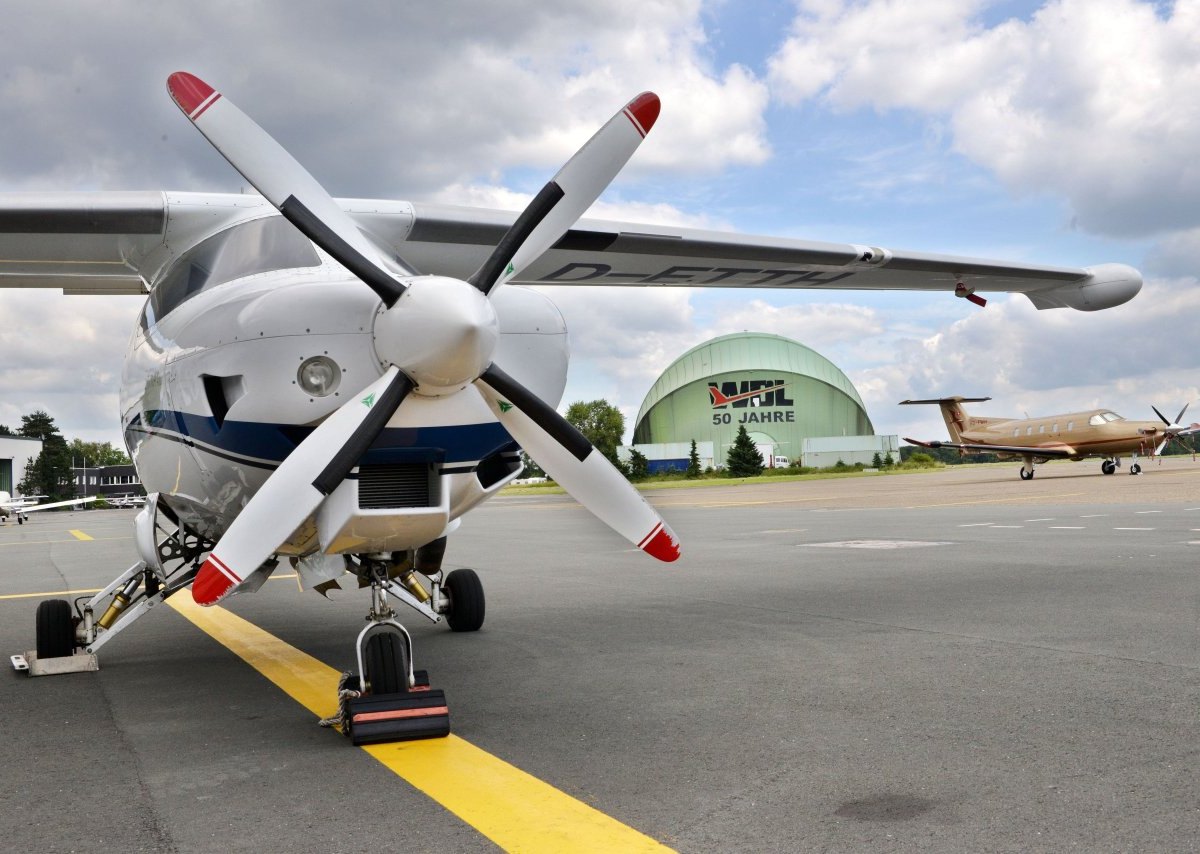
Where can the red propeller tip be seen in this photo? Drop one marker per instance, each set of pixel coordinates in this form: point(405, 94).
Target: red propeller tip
point(643, 111)
point(662, 544)
point(191, 93)
point(212, 582)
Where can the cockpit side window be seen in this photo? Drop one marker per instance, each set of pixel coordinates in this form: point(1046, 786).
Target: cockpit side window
point(258, 246)
point(1096, 420)
point(1112, 416)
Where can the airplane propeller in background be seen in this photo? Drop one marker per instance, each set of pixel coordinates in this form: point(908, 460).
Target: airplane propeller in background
point(436, 333)
point(1175, 430)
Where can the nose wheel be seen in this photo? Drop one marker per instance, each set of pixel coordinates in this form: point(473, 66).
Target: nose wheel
point(389, 700)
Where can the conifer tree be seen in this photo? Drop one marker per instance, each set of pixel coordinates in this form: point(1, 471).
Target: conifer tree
point(693, 469)
point(743, 459)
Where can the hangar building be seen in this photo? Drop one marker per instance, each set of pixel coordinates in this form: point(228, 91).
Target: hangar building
point(782, 391)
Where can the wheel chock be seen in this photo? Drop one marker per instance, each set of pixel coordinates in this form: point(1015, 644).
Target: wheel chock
point(402, 716)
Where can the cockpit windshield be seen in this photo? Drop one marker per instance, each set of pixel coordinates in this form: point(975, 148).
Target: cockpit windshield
point(1112, 416)
point(1104, 418)
point(258, 246)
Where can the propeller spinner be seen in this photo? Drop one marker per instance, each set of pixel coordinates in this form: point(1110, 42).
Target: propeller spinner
point(436, 334)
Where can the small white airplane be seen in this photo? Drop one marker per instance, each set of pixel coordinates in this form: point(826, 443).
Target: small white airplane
point(22, 506)
point(335, 383)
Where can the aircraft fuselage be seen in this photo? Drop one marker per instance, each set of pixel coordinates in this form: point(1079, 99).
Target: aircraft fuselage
point(213, 397)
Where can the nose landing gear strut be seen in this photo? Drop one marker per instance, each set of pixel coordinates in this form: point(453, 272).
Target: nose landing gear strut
point(389, 701)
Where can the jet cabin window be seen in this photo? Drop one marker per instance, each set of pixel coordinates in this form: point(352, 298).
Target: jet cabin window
point(258, 246)
point(1096, 420)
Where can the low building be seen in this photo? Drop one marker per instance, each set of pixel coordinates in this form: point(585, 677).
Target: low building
point(822, 452)
point(15, 454)
point(671, 456)
point(109, 482)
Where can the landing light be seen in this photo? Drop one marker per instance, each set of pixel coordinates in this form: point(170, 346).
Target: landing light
point(319, 376)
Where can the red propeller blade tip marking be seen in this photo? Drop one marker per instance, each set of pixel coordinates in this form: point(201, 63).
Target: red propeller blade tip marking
point(191, 93)
point(643, 111)
point(662, 544)
point(210, 584)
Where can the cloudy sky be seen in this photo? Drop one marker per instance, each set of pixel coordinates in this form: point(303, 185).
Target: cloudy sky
point(1059, 132)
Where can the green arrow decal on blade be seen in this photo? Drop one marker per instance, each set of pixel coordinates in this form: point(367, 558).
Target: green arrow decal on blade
point(504, 407)
point(509, 269)
point(369, 400)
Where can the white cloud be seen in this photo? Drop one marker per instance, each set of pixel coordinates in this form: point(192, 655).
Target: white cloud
point(63, 355)
point(1092, 99)
point(394, 101)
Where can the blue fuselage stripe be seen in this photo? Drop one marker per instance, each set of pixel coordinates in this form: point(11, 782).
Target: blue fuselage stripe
point(459, 443)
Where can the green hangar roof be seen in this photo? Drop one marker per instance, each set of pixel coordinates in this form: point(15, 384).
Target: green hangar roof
point(743, 351)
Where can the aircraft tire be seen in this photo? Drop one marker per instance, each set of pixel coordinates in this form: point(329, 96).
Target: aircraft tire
point(1026, 475)
point(1135, 469)
point(1108, 467)
point(55, 629)
point(467, 604)
point(387, 671)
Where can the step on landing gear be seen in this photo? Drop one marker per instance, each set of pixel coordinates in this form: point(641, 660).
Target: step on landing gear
point(389, 701)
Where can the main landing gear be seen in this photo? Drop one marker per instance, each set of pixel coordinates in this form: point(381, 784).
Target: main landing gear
point(1026, 472)
point(1111, 466)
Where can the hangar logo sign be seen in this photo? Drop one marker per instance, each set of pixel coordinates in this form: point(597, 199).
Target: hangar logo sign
point(753, 395)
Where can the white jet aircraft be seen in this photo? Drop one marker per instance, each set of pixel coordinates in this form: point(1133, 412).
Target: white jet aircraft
point(335, 383)
point(22, 506)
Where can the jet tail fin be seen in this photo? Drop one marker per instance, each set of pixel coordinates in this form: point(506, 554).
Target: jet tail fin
point(952, 412)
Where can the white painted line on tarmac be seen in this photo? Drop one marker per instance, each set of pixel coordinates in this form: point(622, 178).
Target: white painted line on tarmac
point(974, 524)
point(1140, 512)
point(1094, 516)
point(1008, 526)
point(1133, 529)
point(1067, 528)
point(1047, 519)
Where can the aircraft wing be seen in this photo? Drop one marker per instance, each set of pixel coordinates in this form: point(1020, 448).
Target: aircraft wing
point(1055, 452)
point(106, 242)
point(117, 242)
point(33, 508)
point(597, 252)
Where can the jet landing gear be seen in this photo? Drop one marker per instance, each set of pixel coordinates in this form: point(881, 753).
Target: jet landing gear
point(389, 701)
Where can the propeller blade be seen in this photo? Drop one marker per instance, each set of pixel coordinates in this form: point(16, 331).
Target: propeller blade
point(574, 463)
point(571, 192)
point(1179, 417)
point(295, 489)
point(285, 184)
point(1160, 415)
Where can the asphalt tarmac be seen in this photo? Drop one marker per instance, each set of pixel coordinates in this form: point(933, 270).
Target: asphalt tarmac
point(953, 661)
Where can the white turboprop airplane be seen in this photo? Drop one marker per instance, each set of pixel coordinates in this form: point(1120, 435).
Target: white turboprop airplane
point(22, 506)
point(339, 385)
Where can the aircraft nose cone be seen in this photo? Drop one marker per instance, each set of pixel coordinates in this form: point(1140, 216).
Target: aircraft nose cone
point(442, 332)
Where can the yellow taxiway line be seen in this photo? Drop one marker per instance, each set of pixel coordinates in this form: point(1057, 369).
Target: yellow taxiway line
point(52, 593)
point(79, 535)
point(510, 807)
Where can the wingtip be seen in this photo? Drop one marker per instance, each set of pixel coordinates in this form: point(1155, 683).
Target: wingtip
point(190, 92)
point(643, 111)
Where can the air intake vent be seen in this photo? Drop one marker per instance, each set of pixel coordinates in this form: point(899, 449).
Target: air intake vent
point(382, 487)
